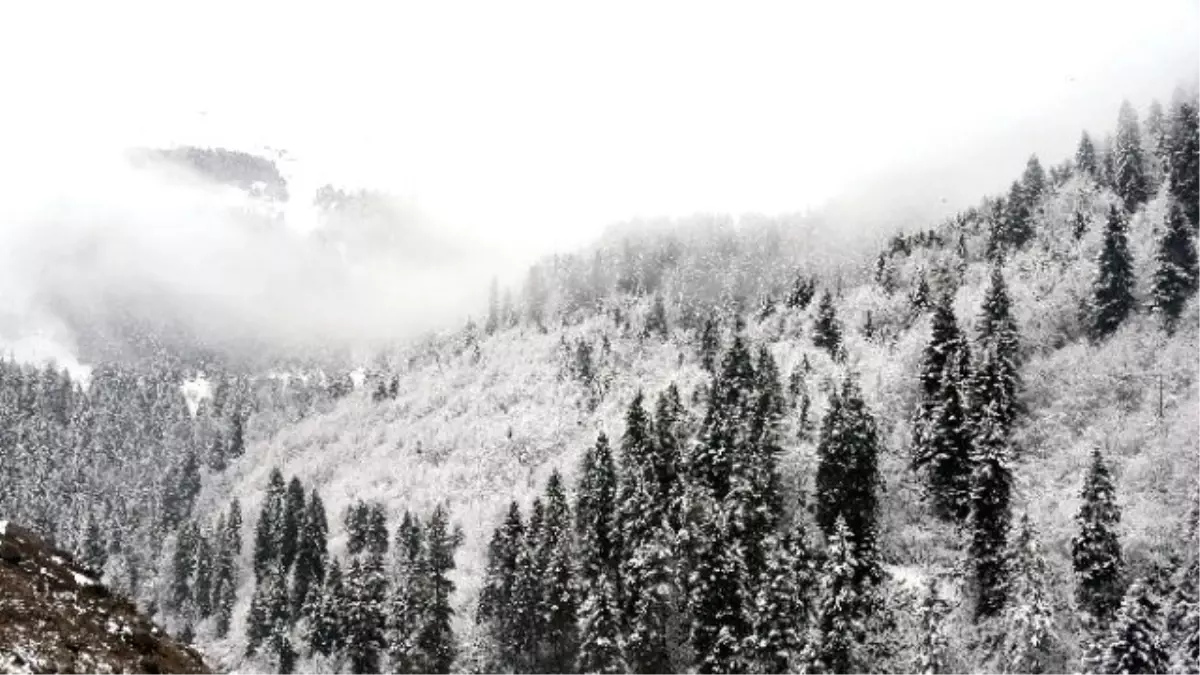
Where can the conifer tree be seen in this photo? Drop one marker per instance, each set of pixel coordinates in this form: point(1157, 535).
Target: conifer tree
point(1018, 226)
point(1095, 550)
point(326, 630)
point(596, 497)
point(224, 594)
point(1030, 640)
point(1134, 644)
point(183, 565)
point(435, 637)
point(838, 646)
point(376, 535)
point(991, 496)
point(95, 550)
point(527, 623)
point(641, 515)
point(237, 440)
point(656, 321)
point(363, 618)
point(357, 522)
point(719, 589)
point(827, 333)
point(203, 581)
point(941, 349)
point(560, 601)
point(1112, 294)
point(848, 474)
point(408, 595)
point(933, 652)
point(268, 612)
point(781, 605)
point(1177, 275)
point(997, 379)
point(1085, 157)
point(946, 445)
point(1183, 164)
point(601, 651)
point(1129, 173)
point(233, 525)
point(270, 523)
point(311, 554)
point(725, 431)
point(1033, 182)
point(293, 518)
point(710, 344)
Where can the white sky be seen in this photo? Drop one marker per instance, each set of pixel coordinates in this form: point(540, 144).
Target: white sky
point(545, 121)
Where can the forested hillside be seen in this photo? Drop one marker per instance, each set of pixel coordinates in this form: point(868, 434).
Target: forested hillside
point(698, 445)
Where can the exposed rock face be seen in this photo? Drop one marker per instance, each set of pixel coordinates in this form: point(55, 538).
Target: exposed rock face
point(55, 616)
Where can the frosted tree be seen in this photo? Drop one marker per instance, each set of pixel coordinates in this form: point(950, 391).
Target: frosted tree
point(780, 613)
point(267, 529)
point(1033, 181)
point(1085, 156)
point(991, 495)
point(435, 636)
point(1176, 275)
point(1030, 641)
point(1095, 549)
point(600, 651)
point(933, 652)
point(363, 618)
point(1183, 163)
point(1134, 644)
point(945, 451)
point(710, 344)
point(1112, 291)
point(326, 628)
point(827, 332)
point(839, 640)
point(1129, 172)
point(560, 599)
point(599, 545)
point(293, 519)
point(408, 595)
point(848, 474)
point(311, 553)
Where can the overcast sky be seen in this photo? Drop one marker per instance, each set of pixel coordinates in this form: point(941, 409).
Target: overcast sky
point(545, 121)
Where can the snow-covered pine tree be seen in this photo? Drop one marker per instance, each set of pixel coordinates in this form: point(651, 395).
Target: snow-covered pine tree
point(326, 626)
point(710, 344)
point(357, 520)
point(725, 429)
point(560, 598)
point(1112, 294)
point(225, 582)
point(848, 474)
point(1085, 156)
point(233, 526)
point(95, 547)
point(293, 518)
point(947, 443)
point(780, 614)
point(1018, 225)
point(996, 380)
point(1129, 172)
point(656, 320)
point(596, 497)
point(838, 641)
point(202, 583)
point(1033, 182)
point(496, 597)
point(1095, 549)
point(267, 529)
point(408, 595)
point(933, 652)
point(1183, 141)
point(827, 332)
point(435, 637)
point(1176, 276)
point(311, 553)
point(943, 342)
point(376, 534)
point(183, 566)
point(600, 650)
point(363, 617)
point(719, 589)
point(1030, 639)
point(991, 495)
point(1134, 643)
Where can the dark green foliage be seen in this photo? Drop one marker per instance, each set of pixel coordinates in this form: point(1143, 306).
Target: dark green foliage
point(1095, 550)
point(237, 440)
point(1176, 275)
point(269, 618)
point(1112, 293)
point(827, 332)
point(1134, 644)
point(1129, 173)
point(848, 474)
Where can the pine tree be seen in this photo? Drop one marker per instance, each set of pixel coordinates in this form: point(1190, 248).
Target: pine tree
point(268, 611)
point(95, 549)
point(1018, 226)
point(1085, 157)
point(1177, 275)
point(641, 514)
point(237, 440)
point(943, 343)
point(293, 518)
point(527, 623)
point(945, 450)
point(1095, 550)
point(311, 554)
point(560, 601)
point(600, 650)
point(357, 522)
point(1033, 182)
point(725, 431)
point(827, 333)
point(1183, 142)
point(496, 598)
point(996, 379)
point(233, 526)
point(781, 605)
point(1134, 644)
point(363, 618)
point(409, 596)
point(838, 646)
point(1129, 177)
point(183, 565)
point(656, 321)
point(203, 581)
point(435, 637)
point(376, 535)
point(1112, 295)
point(326, 628)
point(848, 474)
point(991, 496)
point(710, 344)
point(1030, 640)
point(718, 587)
point(595, 505)
point(270, 522)
point(224, 594)
point(933, 652)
